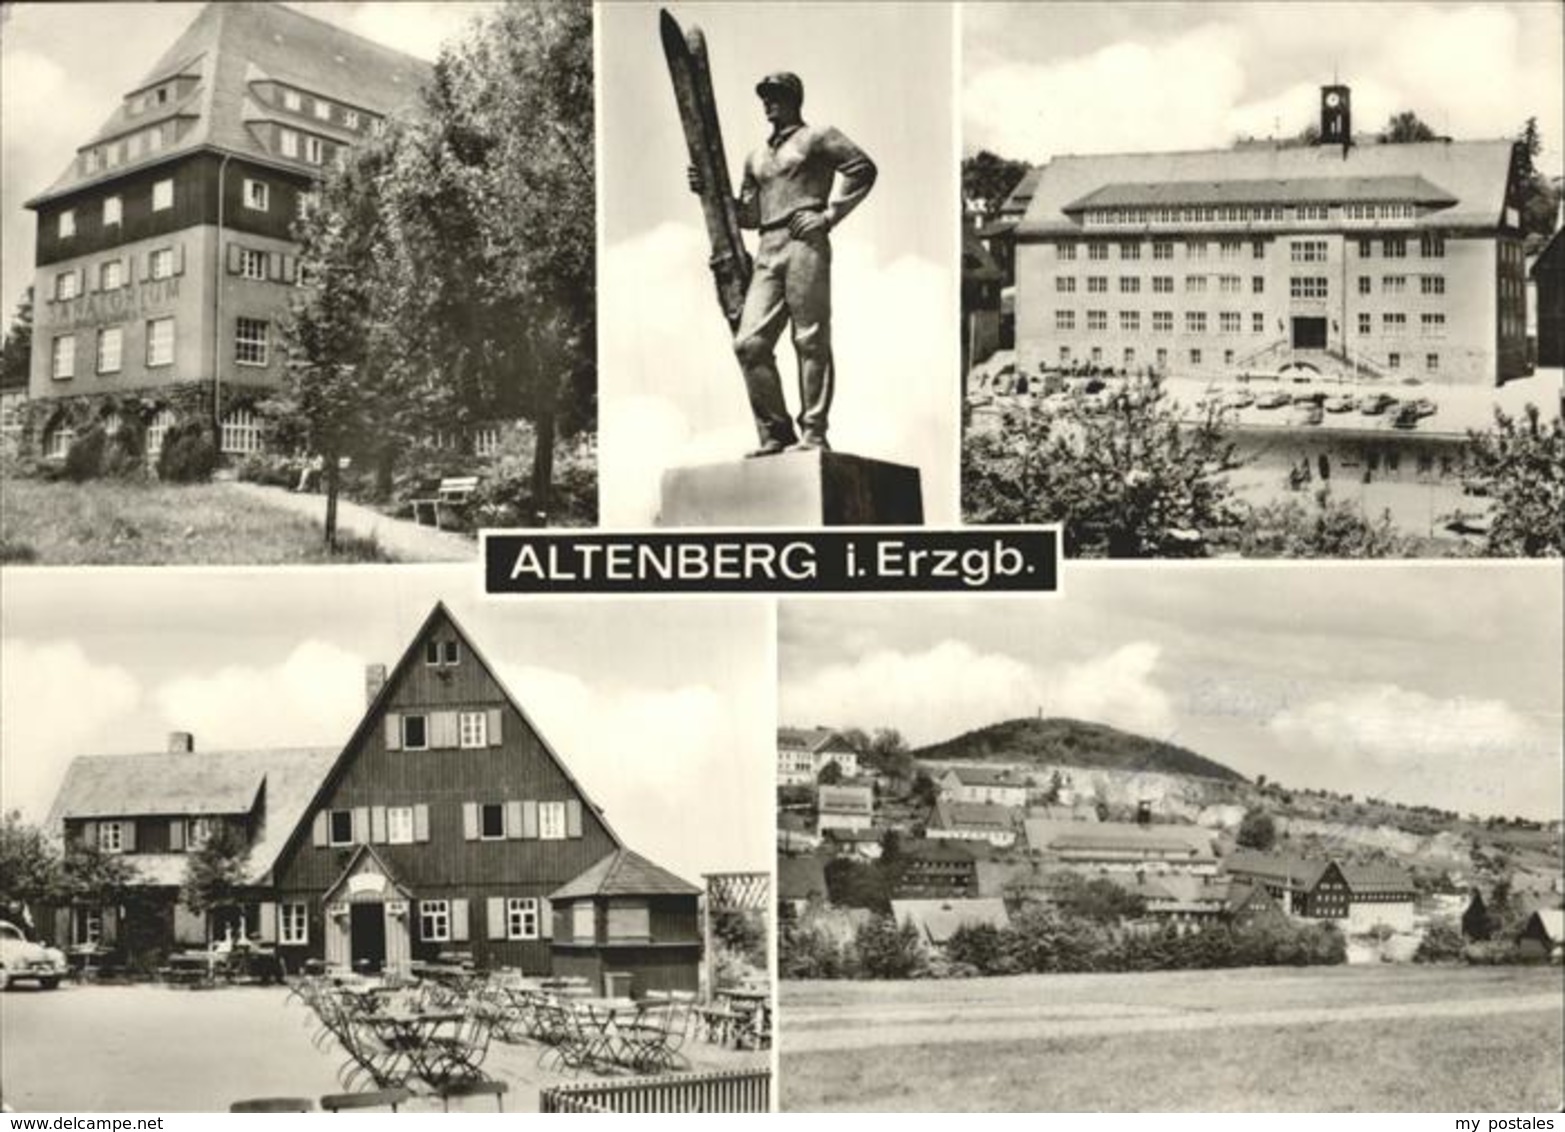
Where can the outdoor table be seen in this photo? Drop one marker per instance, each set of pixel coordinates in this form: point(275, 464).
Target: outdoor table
point(752, 1006)
point(600, 1019)
point(414, 1032)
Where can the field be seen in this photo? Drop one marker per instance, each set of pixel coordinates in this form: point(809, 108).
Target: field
point(114, 524)
point(1330, 1039)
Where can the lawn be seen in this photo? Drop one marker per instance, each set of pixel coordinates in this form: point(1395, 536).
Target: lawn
point(1364, 1039)
point(119, 524)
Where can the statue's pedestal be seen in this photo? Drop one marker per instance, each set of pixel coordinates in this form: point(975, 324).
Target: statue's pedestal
point(793, 489)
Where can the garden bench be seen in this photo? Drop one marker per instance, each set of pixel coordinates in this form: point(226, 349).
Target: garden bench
point(451, 492)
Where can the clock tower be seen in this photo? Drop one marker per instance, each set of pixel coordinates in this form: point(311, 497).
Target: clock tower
point(1336, 117)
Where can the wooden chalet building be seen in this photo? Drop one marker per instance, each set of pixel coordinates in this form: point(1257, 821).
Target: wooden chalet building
point(931, 869)
point(1361, 895)
point(446, 823)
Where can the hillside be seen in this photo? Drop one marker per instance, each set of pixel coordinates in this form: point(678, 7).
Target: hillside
point(1071, 742)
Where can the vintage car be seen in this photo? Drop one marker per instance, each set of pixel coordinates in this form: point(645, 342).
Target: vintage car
point(22, 960)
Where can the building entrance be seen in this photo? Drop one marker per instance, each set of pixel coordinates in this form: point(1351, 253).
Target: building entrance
point(1309, 333)
point(367, 928)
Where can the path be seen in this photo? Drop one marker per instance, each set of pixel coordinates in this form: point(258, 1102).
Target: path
point(401, 539)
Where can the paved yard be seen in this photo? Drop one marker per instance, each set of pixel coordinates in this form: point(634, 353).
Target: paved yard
point(161, 1049)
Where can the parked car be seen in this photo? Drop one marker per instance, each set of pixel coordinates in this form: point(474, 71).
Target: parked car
point(1274, 400)
point(23, 960)
point(1341, 403)
point(1239, 399)
point(1376, 403)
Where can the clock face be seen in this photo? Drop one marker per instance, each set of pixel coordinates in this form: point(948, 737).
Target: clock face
point(1334, 99)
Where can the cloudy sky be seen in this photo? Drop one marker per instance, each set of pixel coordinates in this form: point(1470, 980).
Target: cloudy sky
point(1043, 79)
point(661, 710)
point(1436, 684)
point(65, 67)
point(671, 392)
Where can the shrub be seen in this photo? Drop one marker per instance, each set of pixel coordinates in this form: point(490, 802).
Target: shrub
point(274, 471)
point(808, 953)
point(886, 949)
point(85, 455)
point(1442, 943)
point(189, 453)
point(981, 947)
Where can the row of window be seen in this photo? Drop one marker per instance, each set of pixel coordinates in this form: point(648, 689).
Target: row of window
point(1162, 284)
point(1431, 323)
point(438, 921)
point(510, 820)
point(240, 434)
point(112, 274)
point(1397, 284)
point(1431, 245)
point(1195, 356)
point(114, 209)
point(443, 730)
point(131, 147)
point(252, 338)
point(1196, 322)
point(184, 834)
point(1248, 213)
point(321, 109)
point(308, 147)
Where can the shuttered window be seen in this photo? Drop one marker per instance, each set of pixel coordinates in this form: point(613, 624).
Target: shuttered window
point(584, 922)
point(629, 919)
point(434, 920)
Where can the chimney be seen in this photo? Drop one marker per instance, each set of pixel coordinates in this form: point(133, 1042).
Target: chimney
point(181, 742)
point(374, 681)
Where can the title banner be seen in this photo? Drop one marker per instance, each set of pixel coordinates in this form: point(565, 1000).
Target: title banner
point(857, 560)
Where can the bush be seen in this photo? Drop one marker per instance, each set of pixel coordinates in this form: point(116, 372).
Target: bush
point(274, 471)
point(98, 455)
point(189, 453)
point(981, 947)
point(807, 953)
point(886, 949)
point(84, 456)
point(1442, 943)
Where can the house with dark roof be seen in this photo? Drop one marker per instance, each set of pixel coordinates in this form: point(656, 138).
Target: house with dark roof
point(1360, 895)
point(935, 868)
point(1548, 277)
point(973, 821)
point(165, 259)
point(1349, 258)
point(803, 752)
point(1543, 935)
point(446, 822)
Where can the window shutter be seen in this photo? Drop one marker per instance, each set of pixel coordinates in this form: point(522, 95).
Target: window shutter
point(442, 730)
point(494, 915)
point(378, 825)
point(111, 923)
point(393, 731)
point(129, 271)
point(319, 835)
point(545, 918)
point(267, 917)
point(146, 267)
point(290, 268)
point(492, 726)
point(94, 279)
point(513, 820)
point(470, 821)
point(235, 252)
point(459, 932)
point(361, 824)
point(176, 835)
point(128, 836)
point(529, 820)
point(573, 818)
point(179, 260)
point(274, 266)
point(81, 288)
point(89, 833)
point(421, 822)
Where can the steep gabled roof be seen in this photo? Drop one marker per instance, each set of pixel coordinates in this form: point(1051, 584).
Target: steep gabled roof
point(1294, 872)
point(846, 800)
point(1472, 174)
point(814, 739)
point(1552, 921)
point(624, 872)
point(377, 709)
point(1117, 836)
point(972, 815)
point(986, 776)
point(227, 47)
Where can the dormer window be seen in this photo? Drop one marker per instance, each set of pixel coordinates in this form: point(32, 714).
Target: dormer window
point(350, 118)
point(442, 653)
point(291, 99)
point(323, 110)
point(288, 143)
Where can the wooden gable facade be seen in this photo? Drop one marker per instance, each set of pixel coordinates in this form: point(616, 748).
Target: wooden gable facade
point(444, 825)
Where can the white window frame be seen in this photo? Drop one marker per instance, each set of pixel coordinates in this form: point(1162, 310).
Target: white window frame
point(157, 430)
point(251, 339)
point(523, 916)
point(198, 831)
point(350, 119)
point(450, 654)
point(322, 110)
point(408, 744)
point(472, 730)
point(111, 837)
point(257, 195)
point(160, 263)
point(314, 150)
point(252, 264)
point(486, 440)
point(551, 821)
point(288, 142)
point(62, 357)
point(67, 285)
point(66, 225)
point(156, 357)
point(59, 442)
point(113, 210)
point(399, 825)
point(110, 361)
point(162, 195)
point(293, 923)
point(331, 832)
point(434, 921)
point(111, 275)
point(291, 99)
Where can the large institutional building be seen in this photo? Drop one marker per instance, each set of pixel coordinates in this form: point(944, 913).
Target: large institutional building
point(1372, 260)
point(164, 251)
